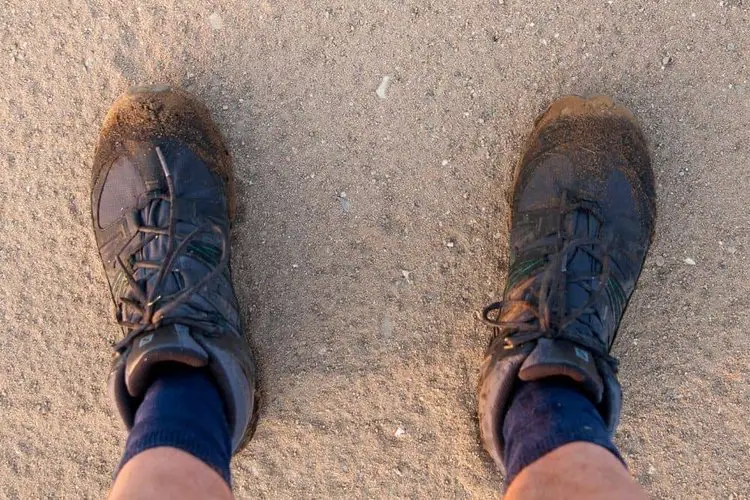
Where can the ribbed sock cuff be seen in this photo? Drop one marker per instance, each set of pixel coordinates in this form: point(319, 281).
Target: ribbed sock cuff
point(545, 415)
point(185, 440)
point(183, 409)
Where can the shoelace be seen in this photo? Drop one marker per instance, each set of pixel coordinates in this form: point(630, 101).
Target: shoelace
point(549, 317)
point(153, 307)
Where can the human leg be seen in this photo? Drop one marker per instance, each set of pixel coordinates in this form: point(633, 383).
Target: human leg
point(167, 473)
point(575, 471)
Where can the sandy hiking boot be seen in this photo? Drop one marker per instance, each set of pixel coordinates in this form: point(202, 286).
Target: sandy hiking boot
point(582, 219)
point(161, 201)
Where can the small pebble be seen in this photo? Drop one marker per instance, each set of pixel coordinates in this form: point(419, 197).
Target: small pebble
point(407, 276)
point(346, 205)
point(400, 432)
point(225, 107)
point(444, 163)
point(216, 21)
point(386, 327)
point(666, 60)
point(449, 244)
point(383, 87)
point(689, 261)
point(660, 261)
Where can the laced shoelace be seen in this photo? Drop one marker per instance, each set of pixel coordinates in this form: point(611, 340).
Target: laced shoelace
point(549, 317)
point(154, 308)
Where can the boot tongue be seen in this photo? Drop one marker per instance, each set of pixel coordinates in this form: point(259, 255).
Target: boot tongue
point(171, 343)
point(561, 358)
point(156, 214)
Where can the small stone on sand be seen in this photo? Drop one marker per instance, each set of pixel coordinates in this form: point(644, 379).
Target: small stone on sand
point(386, 327)
point(216, 21)
point(407, 276)
point(346, 205)
point(383, 87)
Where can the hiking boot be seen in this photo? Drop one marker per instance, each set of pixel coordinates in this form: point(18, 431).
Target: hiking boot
point(161, 201)
point(582, 219)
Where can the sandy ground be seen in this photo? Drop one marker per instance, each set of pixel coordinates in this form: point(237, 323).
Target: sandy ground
point(371, 229)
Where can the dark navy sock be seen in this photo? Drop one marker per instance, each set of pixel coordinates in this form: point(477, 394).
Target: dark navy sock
point(545, 415)
point(183, 409)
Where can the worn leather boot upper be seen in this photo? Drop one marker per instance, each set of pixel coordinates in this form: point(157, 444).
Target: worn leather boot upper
point(161, 200)
point(582, 218)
